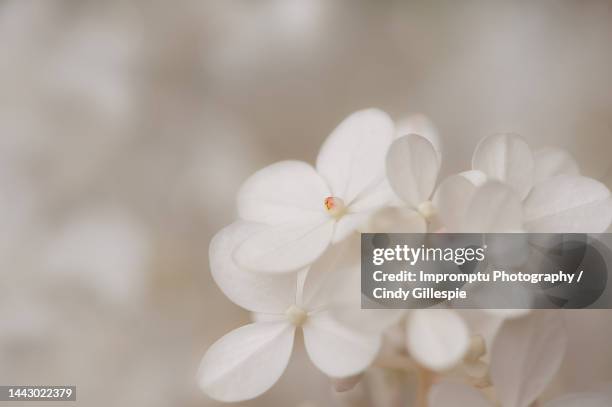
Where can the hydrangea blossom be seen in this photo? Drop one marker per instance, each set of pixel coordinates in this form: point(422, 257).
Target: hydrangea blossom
point(233, 368)
point(457, 205)
point(286, 257)
point(555, 197)
point(305, 209)
point(438, 339)
point(526, 354)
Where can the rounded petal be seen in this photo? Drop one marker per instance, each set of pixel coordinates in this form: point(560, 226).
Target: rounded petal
point(374, 198)
point(337, 350)
point(334, 283)
point(494, 208)
point(352, 159)
point(568, 203)
point(437, 338)
point(506, 158)
point(329, 272)
point(456, 394)
point(526, 354)
point(247, 361)
point(421, 125)
point(258, 292)
point(551, 161)
point(452, 199)
point(412, 169)
point(287, 191)
point(476, 177)
point(348, 224)
point(397, 220)
point(285, 248)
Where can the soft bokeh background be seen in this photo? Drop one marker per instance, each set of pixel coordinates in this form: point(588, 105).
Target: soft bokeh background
point(127, 127)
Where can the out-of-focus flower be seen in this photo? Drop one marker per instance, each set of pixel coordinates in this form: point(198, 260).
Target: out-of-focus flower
point(412, 169)
point(552, 161)
point(526, 354)
point(249, 360)
point(555, 198)
point(456, 205)
point(436, 338)
point(488, 208)
point(306, 209)
point(420, 125)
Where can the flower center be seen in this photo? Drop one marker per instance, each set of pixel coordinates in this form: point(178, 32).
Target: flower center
point(427, 210)
point(334, 206)
point(296, 315)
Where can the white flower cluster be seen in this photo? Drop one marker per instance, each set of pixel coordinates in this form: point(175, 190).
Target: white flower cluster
point(296, 239)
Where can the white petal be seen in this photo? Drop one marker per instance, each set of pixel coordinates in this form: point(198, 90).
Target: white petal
point(452, 199)
point(526, 354)
point(455, 394)
point(285, 247)
point(437, 338)
point(503, 295)
point(551, 161)
point(494, 208)
point(412, 169)
point(258, 317)
point(336, 286)
point(287, 191)
point(326, 276)
point(475, 177)
point(567, 204)
point(582, 400)
point(348, 224)
point(337, 350)
point(420, 124)
point(256, 292)
point(247, 361)
point(374, 198)
point(397, 220)
point(352, 157)
point(506, 158)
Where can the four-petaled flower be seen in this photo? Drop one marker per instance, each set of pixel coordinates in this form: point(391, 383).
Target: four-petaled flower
point(306, 209)
point(249, 360)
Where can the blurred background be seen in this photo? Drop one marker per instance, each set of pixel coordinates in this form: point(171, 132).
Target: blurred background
point(126, 128)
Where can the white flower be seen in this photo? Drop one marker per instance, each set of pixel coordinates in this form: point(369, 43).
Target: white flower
point(436, 338)
point(456, 205)
point(555, 198)
point(439, 338)
point(249, 360)
point(488, 208)
point(412, 170)
point(306, 209)
point(526, 354)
